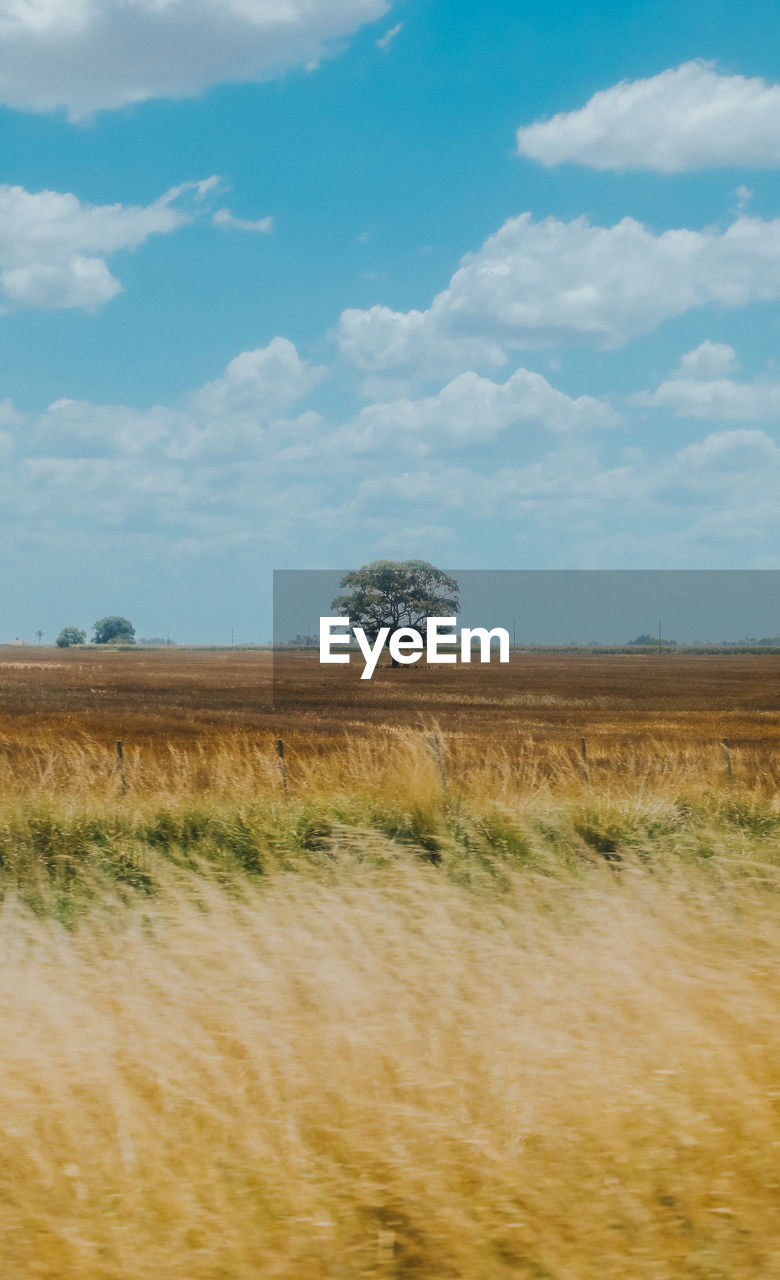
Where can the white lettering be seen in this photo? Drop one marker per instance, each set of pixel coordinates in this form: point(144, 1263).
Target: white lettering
point(403, 640)
point(407, 645)
point(327, 639)
point(484, 636)
point(435, 639)
point(371, 655)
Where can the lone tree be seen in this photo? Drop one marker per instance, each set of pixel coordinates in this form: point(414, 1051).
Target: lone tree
point(396, 594)
point(71, 635)
point(114, 631)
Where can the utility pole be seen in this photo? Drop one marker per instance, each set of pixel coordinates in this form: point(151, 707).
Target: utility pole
point(659, 635)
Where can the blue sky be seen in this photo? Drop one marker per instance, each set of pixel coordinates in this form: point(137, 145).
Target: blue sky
point(307, 284)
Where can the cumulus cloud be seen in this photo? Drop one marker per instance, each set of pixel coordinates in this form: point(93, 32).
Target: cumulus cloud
point(701, 497)
point(220, 466)
point(470, 410)
point(701, 388)
point(728, 484)
point(687, 118)
point(708, 360)
point(254, 410)
point(85, 55)
point(248, 457)
point(238, 415)
point(385, 342)
point(53, 246)
point(212, 463)
point(261, 384)
point(729, 452)
point(539, 284)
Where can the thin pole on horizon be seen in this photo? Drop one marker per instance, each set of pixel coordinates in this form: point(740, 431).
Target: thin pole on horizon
point(659, 635)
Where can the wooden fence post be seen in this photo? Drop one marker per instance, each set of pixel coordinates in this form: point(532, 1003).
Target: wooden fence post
point(584, 754)
point(121, 765)
point(727, 758)
point(282, 765)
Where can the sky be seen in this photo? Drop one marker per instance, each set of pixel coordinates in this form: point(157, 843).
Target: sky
point(307, 284)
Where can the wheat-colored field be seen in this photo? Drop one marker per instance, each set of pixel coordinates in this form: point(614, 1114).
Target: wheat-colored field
point(439, 995)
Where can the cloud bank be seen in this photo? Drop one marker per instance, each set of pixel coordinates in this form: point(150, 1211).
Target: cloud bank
point(541, 284)
point(247, 460)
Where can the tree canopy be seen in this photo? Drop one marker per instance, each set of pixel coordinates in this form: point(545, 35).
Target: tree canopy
point(396, 594)
point(71, 635)
point(114, 630)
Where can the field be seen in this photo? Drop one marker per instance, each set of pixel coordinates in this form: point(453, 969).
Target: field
point(477, 982)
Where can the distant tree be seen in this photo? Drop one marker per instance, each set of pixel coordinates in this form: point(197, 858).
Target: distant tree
point(396, 594)
point(39, 636)
point(114, 631)
point(647, 639)
point(71, 635)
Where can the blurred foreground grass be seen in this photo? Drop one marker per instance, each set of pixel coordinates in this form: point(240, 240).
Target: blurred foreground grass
point(431, 1013)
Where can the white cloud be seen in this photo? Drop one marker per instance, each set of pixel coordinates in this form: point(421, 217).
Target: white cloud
point(79, 282)
point(219, 461)
point(224, 218)
point(85, 55)
point(708, 360)
point(10, 415)
point(539, 284)
point(564, 480)
point(387, 39)
point(53, 246)
point(80, 429)
point(385, 342)
point(224, 465)
point(676, 509)
point(726, 453)
point(469, 410)
point(684, 119)
point(246, 459)
point(729, 483)
point(261, 384)
point(240, 415)
point(701, 388)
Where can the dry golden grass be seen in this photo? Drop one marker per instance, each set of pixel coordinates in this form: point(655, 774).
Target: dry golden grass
point(389, 1075)
point(456, 1004)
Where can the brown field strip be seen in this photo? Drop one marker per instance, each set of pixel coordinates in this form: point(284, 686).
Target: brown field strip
point(641, 715)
